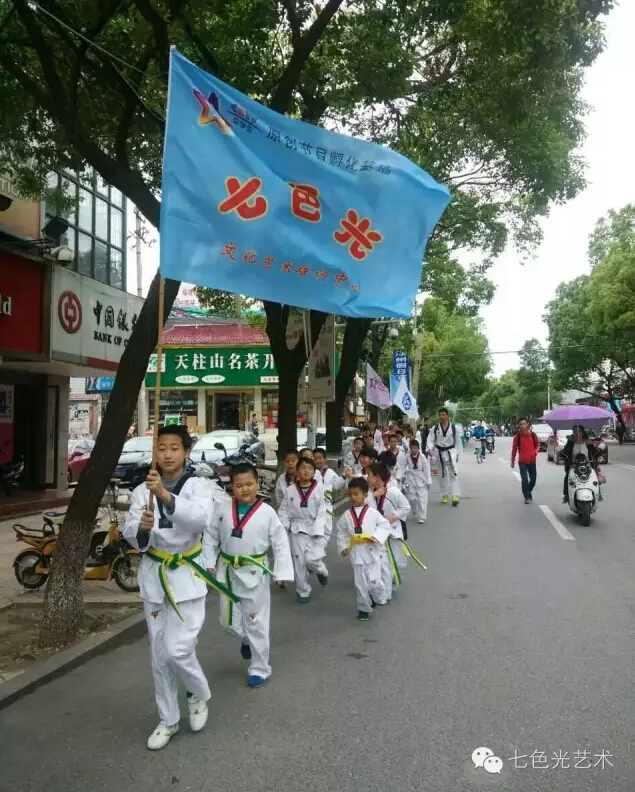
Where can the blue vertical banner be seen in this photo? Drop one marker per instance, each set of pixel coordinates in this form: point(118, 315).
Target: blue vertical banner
point(401, 367)
point(264, 205)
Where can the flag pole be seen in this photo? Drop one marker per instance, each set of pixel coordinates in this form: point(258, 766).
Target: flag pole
point(157, 385)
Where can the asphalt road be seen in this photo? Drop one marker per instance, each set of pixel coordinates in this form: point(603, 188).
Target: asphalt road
point(514, 639)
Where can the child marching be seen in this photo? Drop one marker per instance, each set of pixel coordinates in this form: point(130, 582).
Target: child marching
point(303, 514)
point(393, 505)
point(417, 482)
point(331, 482)
point(287, 478)
point(352, 460)
point(394, 446)
point(361, 532)
point(236, 545)
point(173, 579)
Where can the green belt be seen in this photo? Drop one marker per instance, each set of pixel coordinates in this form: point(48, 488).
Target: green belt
point(236, 562)
point(175, 560)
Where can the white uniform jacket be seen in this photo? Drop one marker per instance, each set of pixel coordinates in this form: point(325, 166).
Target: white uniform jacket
point(309, 519)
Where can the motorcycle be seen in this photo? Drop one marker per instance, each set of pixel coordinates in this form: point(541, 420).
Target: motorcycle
point(222, 470)
point(109, 555)
point(489, 443)
point(479, 450)
point(10, 473)
point(583, 488)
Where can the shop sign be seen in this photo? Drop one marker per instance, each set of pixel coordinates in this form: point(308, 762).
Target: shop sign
point(322, 372)
point(21, 283)
point(99, 384)
point(205, 367)
point(91, 322)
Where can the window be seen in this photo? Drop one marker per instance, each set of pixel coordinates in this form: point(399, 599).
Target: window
point(101, 219)
point(102, 187)
point(116, 227)
point(116, 197)
point(70, 192)
point(85, 213)
point(101, 262)
point(84, 254)
point(69, 240)
point(52, 180)
point(116, 268)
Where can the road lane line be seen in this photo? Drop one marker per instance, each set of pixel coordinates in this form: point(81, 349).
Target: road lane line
point(504, 461)
point(555, 522)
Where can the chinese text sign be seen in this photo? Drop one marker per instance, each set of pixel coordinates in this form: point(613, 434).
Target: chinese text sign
point(401, 366)
point(205, 367)
point(264, 205)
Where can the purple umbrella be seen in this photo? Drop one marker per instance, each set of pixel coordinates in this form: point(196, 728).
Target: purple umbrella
point(582, 414)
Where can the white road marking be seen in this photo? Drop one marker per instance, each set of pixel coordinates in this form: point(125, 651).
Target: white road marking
point(504, 461)
point(555, 522)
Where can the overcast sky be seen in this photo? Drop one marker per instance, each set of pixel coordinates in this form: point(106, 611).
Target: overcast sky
point(523, 290)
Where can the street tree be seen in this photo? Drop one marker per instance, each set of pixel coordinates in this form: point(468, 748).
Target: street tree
point(486, 98)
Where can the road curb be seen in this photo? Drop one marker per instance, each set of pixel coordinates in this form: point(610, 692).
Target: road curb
point(126, 631)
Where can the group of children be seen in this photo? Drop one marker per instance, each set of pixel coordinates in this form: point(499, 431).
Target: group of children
point(198, 537)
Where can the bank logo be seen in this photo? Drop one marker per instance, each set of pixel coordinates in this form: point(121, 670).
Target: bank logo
point(69, 312)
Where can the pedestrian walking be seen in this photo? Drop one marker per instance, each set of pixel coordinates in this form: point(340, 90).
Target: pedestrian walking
point(173, 579)
point(526, 446)
point(237, 544)
point(443, 447)
point(361, 533)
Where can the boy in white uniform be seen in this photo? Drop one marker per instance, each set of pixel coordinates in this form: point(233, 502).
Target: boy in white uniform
point(303, 514)
point(393, 505)
point(173, 594)
point(394, 446)
point(361, 532)
point(352, 461)
point(331, 482)
point(236, 545)
point(287, 478)
point(417, 482)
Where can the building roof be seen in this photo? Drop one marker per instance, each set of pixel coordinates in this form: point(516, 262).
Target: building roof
point(215, 335)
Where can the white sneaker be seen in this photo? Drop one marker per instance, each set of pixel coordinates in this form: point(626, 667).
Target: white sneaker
point(422, 520)
point(198, 713)
point(161, 736)
point(382, 602)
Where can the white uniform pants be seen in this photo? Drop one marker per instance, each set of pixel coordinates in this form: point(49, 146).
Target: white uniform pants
point(173, 652)
point(449, 484)
point(250, 621)
point(419, 504)
point(368, 585)
point(386, 575)
point(308, 556)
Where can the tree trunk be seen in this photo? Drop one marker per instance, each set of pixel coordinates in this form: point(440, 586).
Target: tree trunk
point(290, 364)
point(354, 337)
point(63, 602)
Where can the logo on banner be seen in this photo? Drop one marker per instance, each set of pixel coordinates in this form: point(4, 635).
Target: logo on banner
point(69, 312)
point(407, 402)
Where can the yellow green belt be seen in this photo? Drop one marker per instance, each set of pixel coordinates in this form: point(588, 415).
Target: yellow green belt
point(236, 562)
point(393, 561)
point(360, 539)
point(175, 560)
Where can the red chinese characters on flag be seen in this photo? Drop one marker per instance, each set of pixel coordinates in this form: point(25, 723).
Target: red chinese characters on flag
point(341, 278)
point(268, 261)
point(250, 257)
point(229, 251)
point(244, 199)
point(287, 266)
point(302, 271)
point(357, 235)
point(305, 202)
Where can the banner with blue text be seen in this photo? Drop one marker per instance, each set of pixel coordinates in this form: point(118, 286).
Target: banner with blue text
point(270, 207)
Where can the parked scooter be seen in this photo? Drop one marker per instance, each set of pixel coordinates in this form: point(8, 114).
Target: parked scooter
point(583, 488)
point(222, 470)
point(10, 473)
point(109, 555)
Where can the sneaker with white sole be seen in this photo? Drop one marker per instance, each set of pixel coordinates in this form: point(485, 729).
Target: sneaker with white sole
point(198, 713)
point(161, 736)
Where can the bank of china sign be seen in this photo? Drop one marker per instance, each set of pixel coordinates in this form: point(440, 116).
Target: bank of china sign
point(200, 367)
point(91, 322)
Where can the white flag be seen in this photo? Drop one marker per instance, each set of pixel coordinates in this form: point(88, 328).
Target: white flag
point(376, 392)
point(405, 400)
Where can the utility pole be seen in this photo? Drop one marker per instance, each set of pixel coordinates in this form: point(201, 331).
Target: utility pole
point(142, 406)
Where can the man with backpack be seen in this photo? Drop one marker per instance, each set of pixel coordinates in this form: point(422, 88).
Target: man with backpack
point(443, 446)
point(526, 446)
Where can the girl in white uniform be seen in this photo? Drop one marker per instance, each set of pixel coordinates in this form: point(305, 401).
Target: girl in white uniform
point(236, 545)
point(393, 505)
point(303, 514)
point(331, 482)
point(417, 482)
point(361, 532)
point(174, 593)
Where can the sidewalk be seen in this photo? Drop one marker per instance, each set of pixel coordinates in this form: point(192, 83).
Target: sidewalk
point(11, 592)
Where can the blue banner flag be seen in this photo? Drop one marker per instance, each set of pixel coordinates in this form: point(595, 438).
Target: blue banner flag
point(261, 204)
point(401, 366)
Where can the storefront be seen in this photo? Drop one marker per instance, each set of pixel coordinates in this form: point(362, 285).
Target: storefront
point(216, 386)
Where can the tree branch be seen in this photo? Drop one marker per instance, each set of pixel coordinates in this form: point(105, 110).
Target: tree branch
point(129, 108)
point(294, 21)
point(301, 54)
point(160, 30)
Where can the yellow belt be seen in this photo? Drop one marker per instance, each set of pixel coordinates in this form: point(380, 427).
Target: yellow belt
point(360, 539)
point(175, 560)
point(237, 562)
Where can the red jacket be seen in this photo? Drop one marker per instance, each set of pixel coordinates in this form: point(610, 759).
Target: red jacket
point(529, 448)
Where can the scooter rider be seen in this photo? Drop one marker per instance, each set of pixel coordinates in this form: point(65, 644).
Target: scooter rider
point(479, 436)
point(490, 435)
point(578, 443)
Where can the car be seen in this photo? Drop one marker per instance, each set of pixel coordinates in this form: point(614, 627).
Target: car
point(349, 433)
point(542, 432)
point(136, 453)
point(79, 452)
point(232, 439)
